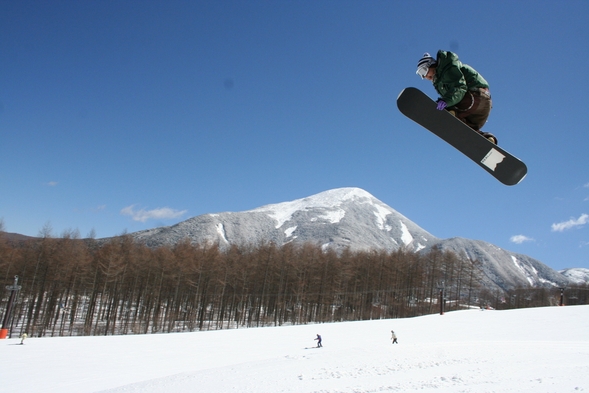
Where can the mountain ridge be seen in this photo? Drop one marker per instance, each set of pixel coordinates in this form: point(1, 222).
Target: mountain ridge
point(351, 218)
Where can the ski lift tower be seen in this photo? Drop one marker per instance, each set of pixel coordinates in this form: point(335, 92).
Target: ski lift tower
point(441, 288)
point(562, 296)
point(6, 321)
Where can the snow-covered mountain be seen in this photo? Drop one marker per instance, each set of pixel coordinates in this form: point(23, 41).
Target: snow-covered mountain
point(576, 275)
point(502, 268)
point(340, 218)
point(349, 217)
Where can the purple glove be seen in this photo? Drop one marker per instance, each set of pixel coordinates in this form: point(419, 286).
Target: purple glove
point(441, 104)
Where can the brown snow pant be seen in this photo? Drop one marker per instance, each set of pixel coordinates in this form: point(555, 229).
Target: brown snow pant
point(474, 108)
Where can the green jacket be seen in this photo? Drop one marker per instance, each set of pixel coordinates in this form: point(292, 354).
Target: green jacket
point(453, 79)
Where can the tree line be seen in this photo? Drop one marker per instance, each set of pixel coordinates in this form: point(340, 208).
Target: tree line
point(70, 286)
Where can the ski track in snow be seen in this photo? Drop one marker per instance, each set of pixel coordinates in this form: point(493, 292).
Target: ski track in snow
point(357, 373)
point(537, 350)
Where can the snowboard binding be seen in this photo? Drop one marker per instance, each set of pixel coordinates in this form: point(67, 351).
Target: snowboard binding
point(492, 138)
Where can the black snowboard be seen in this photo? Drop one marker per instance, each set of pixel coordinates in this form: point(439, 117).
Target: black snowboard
point(417, 106)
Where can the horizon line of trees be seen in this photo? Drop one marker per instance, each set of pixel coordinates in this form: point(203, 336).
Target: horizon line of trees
point(76, 287)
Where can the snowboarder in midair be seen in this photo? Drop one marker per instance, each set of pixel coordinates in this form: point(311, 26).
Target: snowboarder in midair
point(394, 337)
point(463, 91)
point(318, 341)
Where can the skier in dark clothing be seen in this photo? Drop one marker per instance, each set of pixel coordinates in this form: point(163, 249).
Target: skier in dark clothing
point(463, 91)
point(319, 341)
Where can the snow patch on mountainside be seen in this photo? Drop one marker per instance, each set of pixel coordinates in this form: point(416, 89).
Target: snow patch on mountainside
point(524, 271)
point(289, 231)
point(405, 236)
point(381, 214)
point(334, 216)
point(330, 200)
point(221, 231)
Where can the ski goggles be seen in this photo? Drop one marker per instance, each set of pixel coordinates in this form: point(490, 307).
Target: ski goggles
point(422, 71)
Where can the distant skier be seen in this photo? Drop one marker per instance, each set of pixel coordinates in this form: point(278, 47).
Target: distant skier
point(23, 337)
point(394, 337)
point(319, 341)
point(463, 91)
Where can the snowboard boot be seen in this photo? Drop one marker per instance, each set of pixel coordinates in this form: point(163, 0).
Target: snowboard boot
point(492, 138)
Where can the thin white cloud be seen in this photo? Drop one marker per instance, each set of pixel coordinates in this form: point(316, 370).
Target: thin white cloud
point(586, 185)
point(143, 215)
point(51, 183)
point(572, 223)
point(519, 239)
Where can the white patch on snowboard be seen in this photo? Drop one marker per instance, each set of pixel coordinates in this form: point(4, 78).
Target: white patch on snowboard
point(492, 159)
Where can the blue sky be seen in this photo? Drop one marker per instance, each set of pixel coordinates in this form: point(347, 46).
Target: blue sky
point(126, 115)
